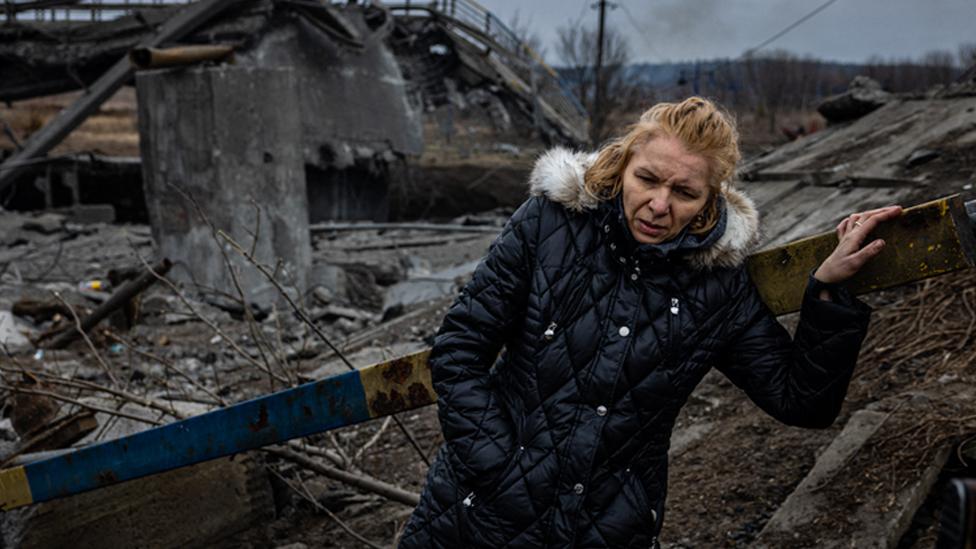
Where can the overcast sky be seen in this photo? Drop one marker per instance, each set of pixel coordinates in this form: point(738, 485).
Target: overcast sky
point(675, 30)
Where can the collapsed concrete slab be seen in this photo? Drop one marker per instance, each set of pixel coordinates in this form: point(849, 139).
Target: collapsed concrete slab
point(862, 96)
point(811, 515)
point(191, 507)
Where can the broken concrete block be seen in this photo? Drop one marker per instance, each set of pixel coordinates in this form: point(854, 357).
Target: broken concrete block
point(12, 332)
point(862, 96)
point(810, 517)
point(921, 156)
point(330, 278)
point(437, 285)
point(88, 214)
point(195, 506)
point(417, 290)
point(47, 223)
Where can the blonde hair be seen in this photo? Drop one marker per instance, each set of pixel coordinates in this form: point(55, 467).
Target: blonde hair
point(703, 128)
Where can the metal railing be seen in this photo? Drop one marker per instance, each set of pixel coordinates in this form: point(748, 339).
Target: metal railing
point(478, 24)
point(78, 10)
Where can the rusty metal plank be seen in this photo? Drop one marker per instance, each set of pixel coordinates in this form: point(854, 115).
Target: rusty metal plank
point(927, 240)
point(383, 389)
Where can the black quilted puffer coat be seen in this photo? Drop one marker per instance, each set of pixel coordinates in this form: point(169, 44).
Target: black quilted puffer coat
point(563, 440)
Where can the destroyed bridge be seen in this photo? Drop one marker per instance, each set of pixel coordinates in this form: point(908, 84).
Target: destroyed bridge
point(263, 125)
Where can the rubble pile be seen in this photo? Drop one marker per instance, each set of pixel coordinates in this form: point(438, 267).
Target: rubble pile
point(174, 351)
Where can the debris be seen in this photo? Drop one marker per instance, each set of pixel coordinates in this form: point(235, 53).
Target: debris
point(863, 95)
point(422, 289)
point(118, 300)
point(332, 312)
point(58, 434)
point(11, 333)
point(192, 507)
point(154, 58)
point(46, 223)
point(921, 156)
point(51, 134)
point(323, 295)
point(30, 413)
point(880, 512)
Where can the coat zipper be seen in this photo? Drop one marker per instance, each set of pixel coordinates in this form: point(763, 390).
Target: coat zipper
point(673, 326)
point(575, 299)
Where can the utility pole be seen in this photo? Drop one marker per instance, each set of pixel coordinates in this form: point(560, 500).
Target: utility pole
point(598, 93)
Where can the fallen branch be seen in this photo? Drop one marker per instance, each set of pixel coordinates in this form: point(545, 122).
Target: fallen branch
point(68, 400)
point(304, 318)
point(305, 494)
point(332, 227)
point(363, 482)
point(117, 300)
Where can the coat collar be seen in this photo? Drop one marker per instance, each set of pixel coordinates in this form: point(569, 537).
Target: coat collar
point(558, 175)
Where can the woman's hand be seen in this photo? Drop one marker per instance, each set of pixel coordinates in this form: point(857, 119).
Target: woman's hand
point(848, 257)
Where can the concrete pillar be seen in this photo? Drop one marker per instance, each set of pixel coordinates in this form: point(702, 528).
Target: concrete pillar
point(230, 137)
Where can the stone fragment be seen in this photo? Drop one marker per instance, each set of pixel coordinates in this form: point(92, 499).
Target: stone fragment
point(863, 95)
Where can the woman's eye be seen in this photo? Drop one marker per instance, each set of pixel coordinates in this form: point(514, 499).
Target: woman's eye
point(647, 178)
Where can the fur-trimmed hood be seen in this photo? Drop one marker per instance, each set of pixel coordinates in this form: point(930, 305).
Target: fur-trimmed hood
point(558, 175)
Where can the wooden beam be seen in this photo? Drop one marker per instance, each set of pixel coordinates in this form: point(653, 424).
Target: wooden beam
point(927, 240)
point(71, 117)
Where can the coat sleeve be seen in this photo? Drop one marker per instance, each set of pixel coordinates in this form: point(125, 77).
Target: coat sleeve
point(803, 381)
point(476, 430)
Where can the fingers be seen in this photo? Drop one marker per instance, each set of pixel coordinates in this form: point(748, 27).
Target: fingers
point(862, 224)
point(862, 256)
point(842, 228)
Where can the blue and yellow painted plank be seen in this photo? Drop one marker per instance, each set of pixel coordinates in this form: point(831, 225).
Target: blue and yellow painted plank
point(927, 240)
point(376, 391)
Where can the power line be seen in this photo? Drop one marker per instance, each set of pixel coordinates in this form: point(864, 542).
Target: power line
point(792, 26)
point(640, 32)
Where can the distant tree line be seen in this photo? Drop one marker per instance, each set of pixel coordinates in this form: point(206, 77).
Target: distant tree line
point(764, 85)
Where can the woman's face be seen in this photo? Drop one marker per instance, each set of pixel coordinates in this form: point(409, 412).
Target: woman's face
point(664, 188)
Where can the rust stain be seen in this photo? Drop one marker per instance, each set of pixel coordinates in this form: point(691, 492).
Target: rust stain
point(262, 421)
point(386, 404)
point(398, 371)
point(418, 395)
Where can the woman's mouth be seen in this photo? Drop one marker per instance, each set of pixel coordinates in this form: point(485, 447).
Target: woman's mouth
point(650, 229)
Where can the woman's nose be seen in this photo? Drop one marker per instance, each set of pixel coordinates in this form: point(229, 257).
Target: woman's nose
point(660, 203)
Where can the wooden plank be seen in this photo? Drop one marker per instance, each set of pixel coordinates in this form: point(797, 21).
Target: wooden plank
point(927, 240)
point(70, 118)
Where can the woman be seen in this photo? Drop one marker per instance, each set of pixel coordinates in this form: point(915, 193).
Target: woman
point(613, 290)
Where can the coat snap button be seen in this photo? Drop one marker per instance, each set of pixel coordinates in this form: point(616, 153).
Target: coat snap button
point(578, 488)
point(613, 246)
point(606, 228)
point(634, 277)
point(601, 410)
point(623, 260)
point(624, 331)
